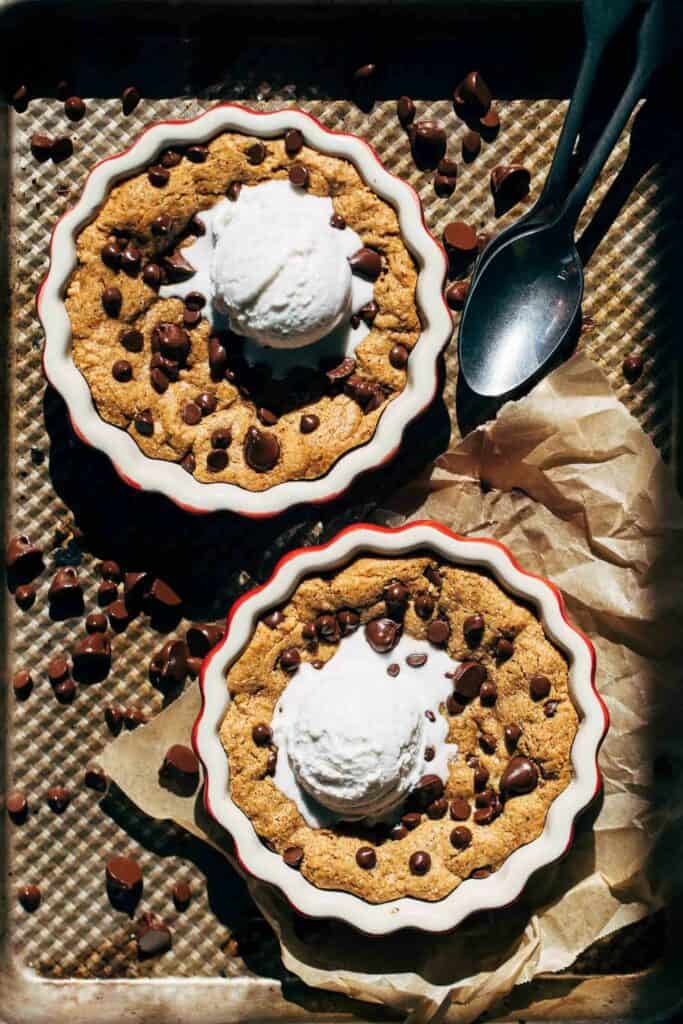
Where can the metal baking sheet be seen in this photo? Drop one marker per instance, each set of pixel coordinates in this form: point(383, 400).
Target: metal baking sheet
point(75, 956)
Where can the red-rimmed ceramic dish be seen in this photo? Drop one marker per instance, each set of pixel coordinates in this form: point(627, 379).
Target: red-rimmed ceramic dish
point(500, 888)
point(169, 478)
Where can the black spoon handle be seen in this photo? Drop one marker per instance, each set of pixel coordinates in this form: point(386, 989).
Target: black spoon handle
point(658, 36)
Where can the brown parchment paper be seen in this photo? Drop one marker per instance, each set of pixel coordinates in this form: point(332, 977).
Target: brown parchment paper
point(567, 478)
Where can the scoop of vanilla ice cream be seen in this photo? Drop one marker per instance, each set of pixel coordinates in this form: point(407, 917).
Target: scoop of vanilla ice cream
point(356, 745)
point(280, 270)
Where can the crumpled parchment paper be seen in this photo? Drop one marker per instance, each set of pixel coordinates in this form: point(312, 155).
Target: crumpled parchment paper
point(568, 480)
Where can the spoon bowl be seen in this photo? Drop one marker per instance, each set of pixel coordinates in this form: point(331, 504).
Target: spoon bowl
point(519, 312)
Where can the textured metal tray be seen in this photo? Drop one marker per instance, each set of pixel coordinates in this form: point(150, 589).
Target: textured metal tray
point(184, 58)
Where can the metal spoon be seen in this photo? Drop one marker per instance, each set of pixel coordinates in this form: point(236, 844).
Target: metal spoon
point(602, 19)
point(528, 294)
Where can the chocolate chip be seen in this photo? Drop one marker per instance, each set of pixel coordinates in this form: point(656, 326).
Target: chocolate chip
point(428, 143)
point(256, 153)
point(489, 124)
point(428, 789)
point(16, 805)
point(550, 708)
point(152, 275)
point(111, 301)
point(411, 820)
point(293, 856)
point(539, 686)
point(124, 882)
point(91, 658)
point(62, 149)
point(130, 97)
point(261, 451)
point(65, 594)
point(179, 770)
point(182, 895)
point(113, 716)
point(290, 659)
point(20, 98)
point(274, 619)
point(267, 417)
point(221, 438)
point(438, 632)
point(191, 414)
point(25, 595)
point(218, 358)
point(468, 679)
point(416, 660)
point(294, 141)
point(429, 753)
point(366, 263)
point(188, 463)
point(133, 717)
point(461, 837)
point(366, 858)
point(29, 896)
point(398, 832)
point(144, 423)
point(233, 191)
point(308, 423)
point(41, 147)
point(58, 799)
point(24, 559)
point(168, 667)
point(197, 154)
point(383, 634)
point(437, 809)
point(471, 146)
point(520, 777)
point(201, 638)
point(444, 186)
point(337, 221)
point(22, 684)
point(65, 692)
point(460, 238)
point(398, 357)
point(349, 621)
point(262, 734)
point(96, 779)
point(509, 184)
point(419, 863)
point(170, 158)
point(632, 367)
point(405, 110)
point(57, 669)
point(342, 370)
point(393, 670)
point(473, 93)
point(430, 716)
point(158, 176)
point(119, 615)
point(154, 940)
point(177, 270)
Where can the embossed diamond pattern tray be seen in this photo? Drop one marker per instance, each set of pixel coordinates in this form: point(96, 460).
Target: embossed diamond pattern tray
point(54, 483)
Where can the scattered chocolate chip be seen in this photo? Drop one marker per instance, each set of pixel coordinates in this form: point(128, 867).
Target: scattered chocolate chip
point(106, 593)
point(154, 939)
point(65, 692)
point(366, 263)
point(428, 143)
point(177, 270)
point(29, 896)
point(58, 799)
point(398, 356)
point(471, 146)
point(170, 158)
point(119, 615)
point(20, 98)
point(342, 370)
point(96, 779)
point(419, 863)
point(191, 318)
point(25, 595)
point(24, 560)
point(130, 97)
point(456, 294)
point(366, 858)
point(91, 658)
point(429, 753)
point(164, 605)
point(473, 94)
point(62, 149)
point(267, 417)
point(179, 770)
point(294, 141)
point(444, 186)
point(468, 679)
point(519, 777)
point(65, 594)
point(308, 423)
point(460, 238)
point(16, 806)
point(405, 110)
point(290, 659)
point(152, 275)
point(22, 684)
point(438, 632)
point(41, 147)
point(293, 856)
point(113, 716)
point(197, 154)
point(57, 669)
point(416, 660)
point(168, 667)
point(489, 124)
point(428, 789)
point(274, 619)
point(256, 153)
point(349, 621)
point(221, 438)
point(411, 820)
point(398, 832)
point(74, 108)
point(632, 367)
point(182, 895)
point(337, 221)
point(261, 451)
point(509, 184)
point(550, 708)
point(318, 664)
point(158, 176)
point(539, 686)
point(393, 670)
point(383, 634)
point(133, 717)
point(233, 191)
point(111, 301)
point(262, 734)
point(122, 371)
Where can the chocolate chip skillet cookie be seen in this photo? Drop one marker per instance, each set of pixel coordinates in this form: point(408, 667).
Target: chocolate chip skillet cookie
point(245, 308)
point(397, 727)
